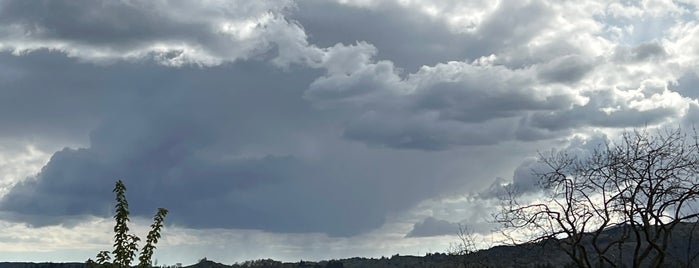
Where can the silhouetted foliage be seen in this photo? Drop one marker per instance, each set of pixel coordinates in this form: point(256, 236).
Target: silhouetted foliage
point(125, 244)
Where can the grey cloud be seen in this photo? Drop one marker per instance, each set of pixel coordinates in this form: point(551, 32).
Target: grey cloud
point(544, 54)
point(590, 115)
point(525, 177)
point(528, 132)
point(476, 224)
point(582, 147)
point(566, 69)
point(62, 112)
point(474, 94)
point(242, 143)
point(114, 24)
point(187, 137)
point(360, 86)
point(641, 52)
point(514, 23)
point(687, 85)
point(467, 97)
point(424, 131)
point(648, 50)
point(524, 180)
point(172, 33)
point(593, 114)
point(433, 227)
point(437, 107)
point(232, 146)
point(691, 119)
point(496, 189)
point(347, 59)
point(417, 39)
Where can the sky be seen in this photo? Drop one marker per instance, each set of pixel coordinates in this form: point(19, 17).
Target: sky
point(313, 129)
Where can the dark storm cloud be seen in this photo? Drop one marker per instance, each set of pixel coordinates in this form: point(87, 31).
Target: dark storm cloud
point(566, 69)
point(433, 227)
point(48, 97)
point(424, 131)
point(437, 108)
point(170, 32)
point(180, 145)
point(473, 94)
point(528, 132)
point(459, 94)
point(415, 38)
point(364, 83)
point(462, 104)
point(221, 146)
point(233, 146)
point(259, 128)
point(115, 24)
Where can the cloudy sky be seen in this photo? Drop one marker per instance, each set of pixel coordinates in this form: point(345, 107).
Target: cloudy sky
point(313, 129)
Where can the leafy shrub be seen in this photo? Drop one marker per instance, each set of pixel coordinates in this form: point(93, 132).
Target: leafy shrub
point(125, 244)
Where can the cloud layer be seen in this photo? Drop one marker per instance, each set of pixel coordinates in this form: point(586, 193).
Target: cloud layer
point(321, 116)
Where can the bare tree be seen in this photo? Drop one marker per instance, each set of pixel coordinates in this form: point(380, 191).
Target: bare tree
point(466, 243)
point(617, 205)
point(462, 250)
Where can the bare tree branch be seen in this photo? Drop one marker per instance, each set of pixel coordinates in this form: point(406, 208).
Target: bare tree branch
point(634, 192)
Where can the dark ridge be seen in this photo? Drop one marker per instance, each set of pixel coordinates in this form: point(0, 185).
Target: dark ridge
point(539, 255)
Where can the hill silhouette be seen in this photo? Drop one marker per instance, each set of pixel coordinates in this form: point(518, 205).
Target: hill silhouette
point(682, 251)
